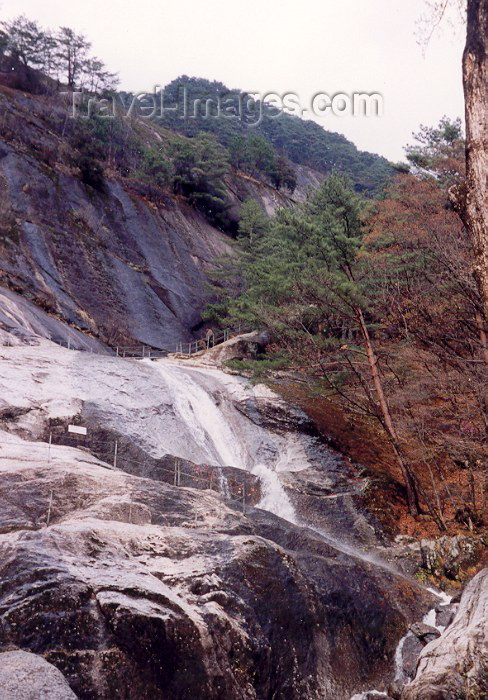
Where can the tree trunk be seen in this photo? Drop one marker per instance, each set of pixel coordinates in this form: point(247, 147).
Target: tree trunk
point(412, 495)
point(475, 82)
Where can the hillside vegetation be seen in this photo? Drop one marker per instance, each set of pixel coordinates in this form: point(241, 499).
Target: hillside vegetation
point(373, 306)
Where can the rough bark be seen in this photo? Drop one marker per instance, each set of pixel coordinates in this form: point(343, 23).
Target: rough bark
point(475, 81)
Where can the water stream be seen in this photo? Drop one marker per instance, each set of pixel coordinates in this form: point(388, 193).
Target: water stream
point(204, 401)
point(222, 434)
point(213, 431)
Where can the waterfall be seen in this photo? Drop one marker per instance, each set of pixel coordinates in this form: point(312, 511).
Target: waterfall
point(217, 428)
point(204, 420)
point(274, 497)
point(209, 428)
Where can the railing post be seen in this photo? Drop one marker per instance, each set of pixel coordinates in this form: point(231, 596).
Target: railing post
point(117, 350)
point(115, 455)
point(49, 509)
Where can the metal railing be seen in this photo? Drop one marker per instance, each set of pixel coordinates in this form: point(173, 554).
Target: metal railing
point(187, 349)
point(233, 490)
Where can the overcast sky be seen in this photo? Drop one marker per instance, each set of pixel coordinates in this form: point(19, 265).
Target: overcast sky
point(300, 46)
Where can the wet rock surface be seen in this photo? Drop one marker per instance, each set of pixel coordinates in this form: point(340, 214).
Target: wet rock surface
point(424, 632)
point(135, 587)
point(411, 649)
point(23, 323)
point(455, 665)
point(170, 588)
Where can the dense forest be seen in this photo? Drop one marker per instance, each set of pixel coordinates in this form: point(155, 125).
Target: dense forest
point(291, 138)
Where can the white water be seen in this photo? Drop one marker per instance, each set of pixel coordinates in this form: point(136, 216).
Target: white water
point(431, 617)
point(273, 496)
point(400, 676)
point(206, 415)
point(214, 427)
point(206, 422)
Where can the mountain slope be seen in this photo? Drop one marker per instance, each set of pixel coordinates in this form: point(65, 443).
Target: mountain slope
point(125, 263)
point(114, 225)
point(302, 142)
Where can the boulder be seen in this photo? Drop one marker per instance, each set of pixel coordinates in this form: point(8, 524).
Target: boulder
point(172, 593)
point(424, 632)
point(449, 556)
point(455, 665)
point(411, 648)
point(444, 615)
point(26, 676)
point(242, 347)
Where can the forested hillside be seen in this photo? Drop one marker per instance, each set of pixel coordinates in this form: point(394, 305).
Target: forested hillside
point(373, 305)
point(248, 138)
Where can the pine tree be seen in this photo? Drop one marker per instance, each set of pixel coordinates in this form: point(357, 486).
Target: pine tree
point(305, 281)
point(200, 164)
point(25, 40)
point(253, 222)
point(72, 53)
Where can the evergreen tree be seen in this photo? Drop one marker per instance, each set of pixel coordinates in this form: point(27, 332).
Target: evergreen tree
point(306, 282)
point(25, 40)
point(155, 168)
point(200, 165)
point(439, 151)
point(72, 54)
point(253, 222)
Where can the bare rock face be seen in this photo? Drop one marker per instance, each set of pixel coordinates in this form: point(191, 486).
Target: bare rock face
point(123, 267)
point(137, 584)
point(138, 589)
point(26, 676)
point(455, 666)
point(24, 323)
point(111, 263)
point(448, 556)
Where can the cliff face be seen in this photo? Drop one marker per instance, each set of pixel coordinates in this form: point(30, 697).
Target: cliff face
point(119, 264)
point(104, 261)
